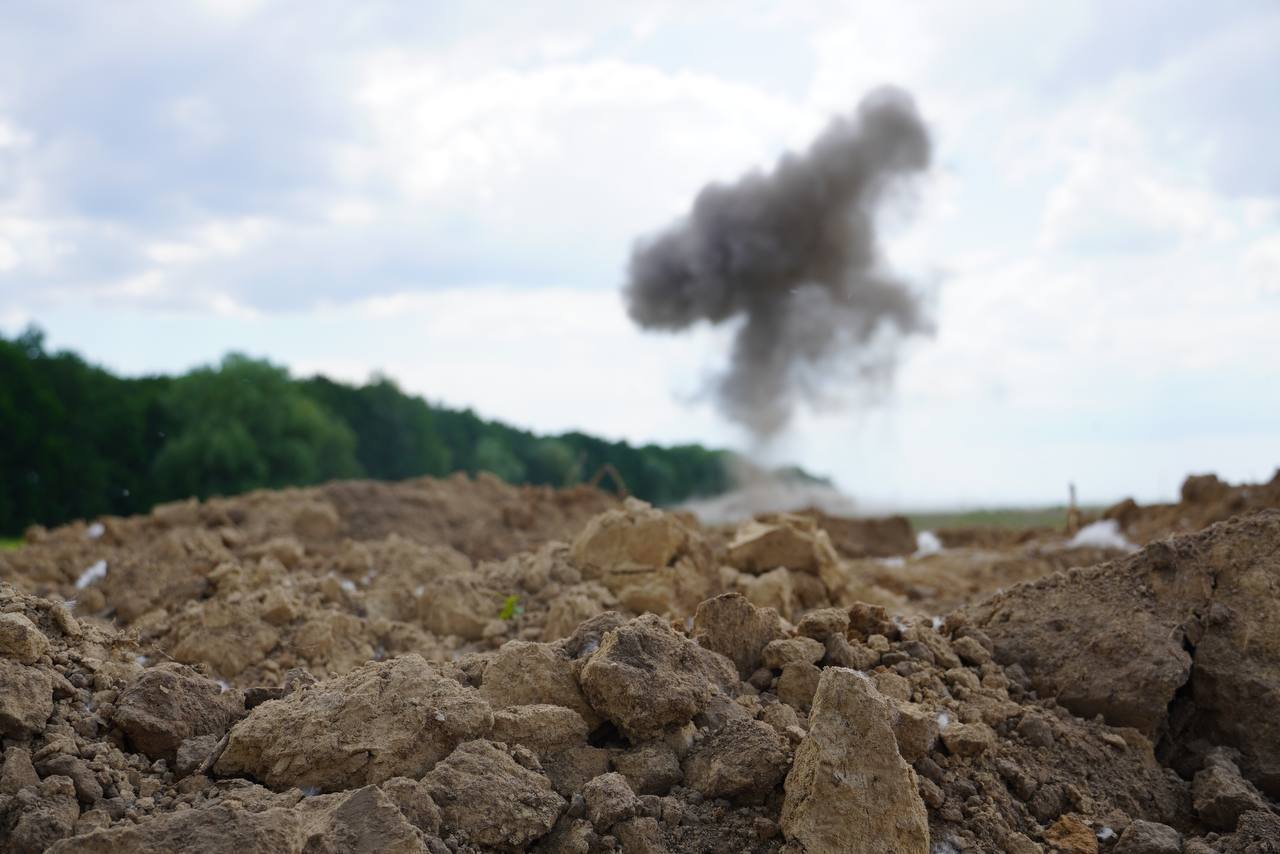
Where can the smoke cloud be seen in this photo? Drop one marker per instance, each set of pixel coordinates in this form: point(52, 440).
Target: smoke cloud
point(793, 255)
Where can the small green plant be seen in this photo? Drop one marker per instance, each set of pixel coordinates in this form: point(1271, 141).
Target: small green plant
point(511, 608)
point(9, 544)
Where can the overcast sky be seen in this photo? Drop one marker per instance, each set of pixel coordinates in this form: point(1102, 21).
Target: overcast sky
point(448, 193)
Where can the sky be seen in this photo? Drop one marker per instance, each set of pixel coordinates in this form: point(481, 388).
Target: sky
point(448, 194)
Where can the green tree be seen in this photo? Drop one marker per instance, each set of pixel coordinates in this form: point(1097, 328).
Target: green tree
point(246, 425)
point(396, 434)
point(493, 456)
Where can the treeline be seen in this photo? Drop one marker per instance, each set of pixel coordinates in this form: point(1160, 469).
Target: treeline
point(77, 441)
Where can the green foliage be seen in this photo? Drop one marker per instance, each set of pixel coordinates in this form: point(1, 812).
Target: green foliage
point(511, 608)
point(245, 425)
point(8, 544)
point(78, 442)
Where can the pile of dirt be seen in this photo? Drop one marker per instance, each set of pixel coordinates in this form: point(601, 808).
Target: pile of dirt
point(1204, 500)
point(562, 672)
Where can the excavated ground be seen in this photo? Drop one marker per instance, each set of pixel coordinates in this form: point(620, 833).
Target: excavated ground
point(467, 666)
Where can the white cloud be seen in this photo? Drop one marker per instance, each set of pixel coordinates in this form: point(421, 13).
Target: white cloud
point(450, 197)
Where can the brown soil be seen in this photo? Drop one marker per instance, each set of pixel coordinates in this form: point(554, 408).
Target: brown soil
point(467, 666)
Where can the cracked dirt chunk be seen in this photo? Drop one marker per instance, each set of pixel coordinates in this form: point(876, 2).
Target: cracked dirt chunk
point(44, 814)
point(21, 640)
point(26, 698)
point(738, 630)
point(17, 771)
point(646, 677)
point(522, 673)
point(636, 536)
point(365, 821)
point(609, 800)
point(1070, 835)
point(793, 541)
point(849, 790)
point(649, 559)
point(414, 802)
point(651, 768)
point(387, 719)
point(743, 761)
point(969, 739)
point(542, 728)
point(169, 704)
point(1149, 837)
point(779, 653)
point(491, 799)
point(1220, 796)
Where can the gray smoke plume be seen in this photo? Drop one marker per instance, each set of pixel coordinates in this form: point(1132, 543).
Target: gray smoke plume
point(793, 253)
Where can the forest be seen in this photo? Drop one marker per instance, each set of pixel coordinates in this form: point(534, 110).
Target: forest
point(77, 441)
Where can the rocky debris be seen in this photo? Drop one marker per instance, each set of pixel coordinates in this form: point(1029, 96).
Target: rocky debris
point(169, 704)
point(1120, 640)
point(542, 727)
point(388, 719)
point(75, 769)
point(1205, 500)
point(793, 542)
point(646, 677)
point(40, 816)
point(1149, 837)
point(609, 800)
point(823, 624)
point(1070, 835)
point(1219, 794)
point(26, 698)
point(849, 790)
point(17, 771)
point(493, 797)
point(364, 820)
point(744, 760)
point(651, 768)
point(648, 559)
point(21, 640)
point(888, 536)
point(523, 673)
point(779, 653)
point(738, 630)
point(691, 718)
point(414, 802)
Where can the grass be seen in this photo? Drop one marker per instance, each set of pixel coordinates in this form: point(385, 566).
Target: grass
point(1016, 518)
point(8, 544)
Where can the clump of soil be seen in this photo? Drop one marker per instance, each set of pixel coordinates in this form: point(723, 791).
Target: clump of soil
point(466, 666)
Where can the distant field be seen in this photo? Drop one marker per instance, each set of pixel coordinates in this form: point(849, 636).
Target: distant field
point(1033, 517)
point(9, 543)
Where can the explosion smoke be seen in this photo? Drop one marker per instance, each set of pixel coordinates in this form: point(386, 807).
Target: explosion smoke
point(793, 253)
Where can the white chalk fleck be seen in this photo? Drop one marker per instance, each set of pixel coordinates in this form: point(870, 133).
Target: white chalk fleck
point(96, 571)
point(1106, 833)
point(439, 715)
point(927, 543)
point(1103, 534)
point(95, 530)
point(141, 660)
point(223, 687)
point(348, 585)
point(944, 720)
point(936, 622)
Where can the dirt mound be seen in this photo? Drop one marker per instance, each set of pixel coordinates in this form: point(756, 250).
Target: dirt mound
point(292, 672)
point(1204, 500)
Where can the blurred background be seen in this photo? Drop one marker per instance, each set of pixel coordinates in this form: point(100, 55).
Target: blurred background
point(412, 224)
